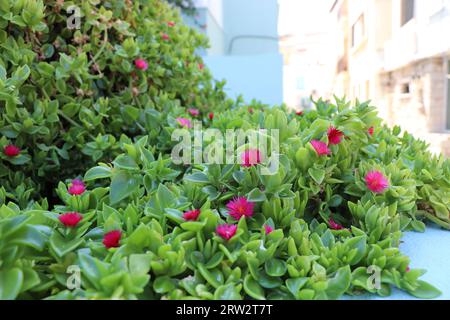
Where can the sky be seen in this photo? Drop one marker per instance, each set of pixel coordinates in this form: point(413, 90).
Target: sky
point(299, 16)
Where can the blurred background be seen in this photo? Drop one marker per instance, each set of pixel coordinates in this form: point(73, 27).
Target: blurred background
point(395, 53)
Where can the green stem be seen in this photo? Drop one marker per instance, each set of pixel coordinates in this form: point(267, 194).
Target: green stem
point(72, 122)
point(141, 127)
point(136, 100)
point(434, 219)
point(75, 124)
point(60, 113)
point(105, 42)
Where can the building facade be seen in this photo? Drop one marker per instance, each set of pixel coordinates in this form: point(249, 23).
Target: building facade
point(306, 72)
point(304, 37)
point(396, 53)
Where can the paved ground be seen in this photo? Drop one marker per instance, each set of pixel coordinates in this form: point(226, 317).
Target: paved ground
point(429, 251)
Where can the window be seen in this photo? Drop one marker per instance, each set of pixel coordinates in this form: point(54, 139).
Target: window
point(358, 31)
point(405, 89)
point(407, 11)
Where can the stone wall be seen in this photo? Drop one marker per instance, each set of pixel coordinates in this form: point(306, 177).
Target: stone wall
point(416, 100)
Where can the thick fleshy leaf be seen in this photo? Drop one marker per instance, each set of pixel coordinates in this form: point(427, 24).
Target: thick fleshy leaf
point(275, 267)
point(122, 185)
point(425, 291)
point(62, 246)
point(10, 283)
point(253, 289)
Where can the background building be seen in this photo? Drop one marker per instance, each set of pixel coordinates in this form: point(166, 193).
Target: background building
point(244, 46)
point(393, 52)
point(396, 53)
point(304, 30)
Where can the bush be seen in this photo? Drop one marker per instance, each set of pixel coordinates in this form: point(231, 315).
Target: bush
point(71, 97)
point(137, 225)
point(315, 232)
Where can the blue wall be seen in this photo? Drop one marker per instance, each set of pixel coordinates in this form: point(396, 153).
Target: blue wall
point(244, 50)
point(255, 77)
point(253, 24)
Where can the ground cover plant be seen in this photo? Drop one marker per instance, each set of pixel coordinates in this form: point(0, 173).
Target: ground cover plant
point(92, 205)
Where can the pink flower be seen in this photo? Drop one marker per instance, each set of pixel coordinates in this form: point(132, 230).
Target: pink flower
point(211, 116)
point(112, 238)
point(201, 66)
point(239, 207)
point(11, 150)
point(165, 36)
point(77, 181)
point(250, 157)
point(376, 182)
point(191, 215)
point(193, 112)
point(226, 231)
point(250, 110)
point(184, 122)
point(299, 113)
point(335, 225)
point(171, 24)
point(141, 64)
point(70, 219)
point(334, 135)
point(77, 187)
point(268, 229)
point(408, 269)
point(320, 147)
point(370, 131)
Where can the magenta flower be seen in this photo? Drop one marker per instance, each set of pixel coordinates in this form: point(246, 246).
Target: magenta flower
point(250, 157)
point(226, 231)
point(211, 116)
point(165, 37)
point(193, 112)
point(334, 135)
point(239, 207)
point(268, 229)
point(334, 225)
point(299, 113)
point(11, 150)
point(370, 131)
point(77, 181)
point(112, 239)
point(184, 122)
point(376, 181)
point(320, 147)
point(141, 64)
point(171, 24)
point(76, 187)
point(70, 219)
point(191, 215)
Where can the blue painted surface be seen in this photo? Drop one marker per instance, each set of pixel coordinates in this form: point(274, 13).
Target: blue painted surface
point(430, 251)
point(257, 77)
point(246, 20)
point(244, 48)
point(236, 27)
